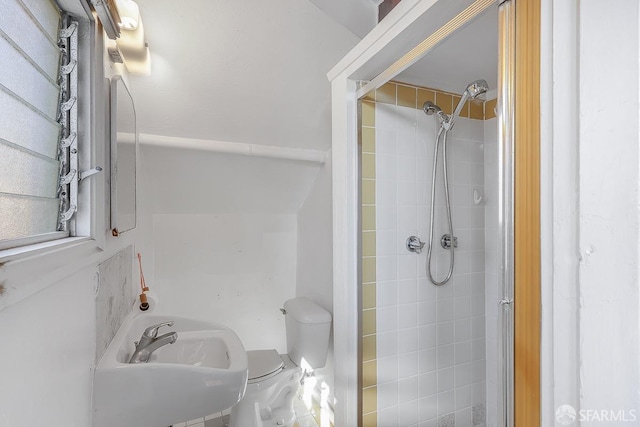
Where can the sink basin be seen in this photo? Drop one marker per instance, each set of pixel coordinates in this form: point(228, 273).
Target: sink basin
point(197, 348)
point(203, 372)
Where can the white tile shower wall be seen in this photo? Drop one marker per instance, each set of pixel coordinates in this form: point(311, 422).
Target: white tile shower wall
point(234, 269)
point(431, 352)
point(491, 175)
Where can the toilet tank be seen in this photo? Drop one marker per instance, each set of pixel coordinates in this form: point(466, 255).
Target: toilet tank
point(308, 326)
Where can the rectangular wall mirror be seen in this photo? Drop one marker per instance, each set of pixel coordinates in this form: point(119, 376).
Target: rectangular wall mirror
point(124, 148)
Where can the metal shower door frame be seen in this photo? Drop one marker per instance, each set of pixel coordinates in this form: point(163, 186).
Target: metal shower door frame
point(506, 124)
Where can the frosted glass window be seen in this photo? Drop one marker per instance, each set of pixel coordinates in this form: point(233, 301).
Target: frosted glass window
point(30, 85)
point(32, 36)
point(23, 126)
point(42, 214)
point(29, 131)
point(27, 173)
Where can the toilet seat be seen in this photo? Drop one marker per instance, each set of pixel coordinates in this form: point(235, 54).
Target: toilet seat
point(273, 383)
point(263, 364)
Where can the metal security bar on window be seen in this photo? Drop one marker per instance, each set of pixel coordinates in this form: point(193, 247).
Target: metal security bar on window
point(68, 119)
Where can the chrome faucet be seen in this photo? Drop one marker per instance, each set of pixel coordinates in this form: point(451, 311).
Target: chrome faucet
point(150, 342)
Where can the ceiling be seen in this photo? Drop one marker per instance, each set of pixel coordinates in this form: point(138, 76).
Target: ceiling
point(470, 54)
point(255, 72)
point(359, 16)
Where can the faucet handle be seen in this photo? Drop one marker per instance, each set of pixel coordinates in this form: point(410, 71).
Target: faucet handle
point(152, 331)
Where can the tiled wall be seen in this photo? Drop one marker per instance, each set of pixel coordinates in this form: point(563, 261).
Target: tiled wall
point(423, 346)
point(368, 191)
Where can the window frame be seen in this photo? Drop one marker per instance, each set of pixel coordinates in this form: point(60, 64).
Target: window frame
point(29, 268)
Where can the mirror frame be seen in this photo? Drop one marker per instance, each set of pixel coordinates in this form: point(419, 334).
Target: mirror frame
point(116, 82)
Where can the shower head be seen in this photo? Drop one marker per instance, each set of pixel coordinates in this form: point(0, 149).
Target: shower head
point(477, 88)
point(474, 90)
point(430, 109)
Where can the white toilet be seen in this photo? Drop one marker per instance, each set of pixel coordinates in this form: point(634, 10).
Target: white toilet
point(274, 378)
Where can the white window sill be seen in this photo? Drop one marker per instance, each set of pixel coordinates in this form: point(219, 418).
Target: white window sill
point(29, 269)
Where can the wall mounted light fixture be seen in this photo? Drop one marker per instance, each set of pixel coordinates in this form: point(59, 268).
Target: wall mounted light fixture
point(129, 14)
point(131, 45)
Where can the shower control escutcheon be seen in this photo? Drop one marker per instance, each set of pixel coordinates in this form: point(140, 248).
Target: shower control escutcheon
point(414, 244)
point(445, 241)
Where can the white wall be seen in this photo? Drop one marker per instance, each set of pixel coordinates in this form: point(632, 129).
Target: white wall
point(609, 216)
point(49, 338)
point(590, 172)
point(314, 278)
point(48, 350)
point(187, 181)
point(221, 240)
point(315, 269)
point(430, 340)
point(236, 269)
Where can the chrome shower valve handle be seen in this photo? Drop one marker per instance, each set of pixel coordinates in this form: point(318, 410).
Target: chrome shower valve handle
point(414, 244)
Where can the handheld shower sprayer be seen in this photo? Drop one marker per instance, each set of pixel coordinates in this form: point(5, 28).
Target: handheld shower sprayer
point(474, 90)
point(448, 241)
point(477, 89)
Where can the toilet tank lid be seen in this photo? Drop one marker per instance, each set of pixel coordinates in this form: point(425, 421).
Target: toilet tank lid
point(306, 311)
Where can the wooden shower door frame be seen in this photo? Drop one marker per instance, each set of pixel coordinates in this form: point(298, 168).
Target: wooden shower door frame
point(527, 247)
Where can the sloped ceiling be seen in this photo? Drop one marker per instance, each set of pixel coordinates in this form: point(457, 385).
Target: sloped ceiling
point(194, 181)
point(358, 16)
point(469, 54)
point(250, 71)
point(254, 71)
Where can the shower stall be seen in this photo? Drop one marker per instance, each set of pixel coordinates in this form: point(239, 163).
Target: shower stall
point(429, 319)
point(423, 221)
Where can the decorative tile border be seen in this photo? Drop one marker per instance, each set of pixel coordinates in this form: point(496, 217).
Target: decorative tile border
point(405, 95)
point(369, 364)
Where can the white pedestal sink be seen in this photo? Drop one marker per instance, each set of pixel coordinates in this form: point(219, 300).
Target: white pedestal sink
point(203, 372)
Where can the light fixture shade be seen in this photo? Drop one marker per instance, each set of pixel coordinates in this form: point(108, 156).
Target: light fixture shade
point(132, 40)
point(139, 67)
point(134, 50)
point(129, 14)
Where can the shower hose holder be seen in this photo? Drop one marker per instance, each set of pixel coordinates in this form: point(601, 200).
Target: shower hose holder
point(445, 241)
